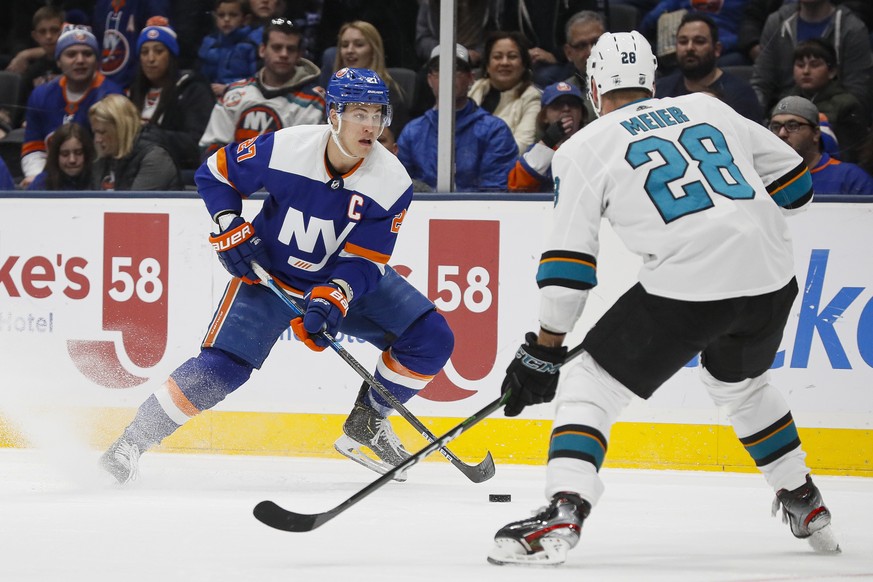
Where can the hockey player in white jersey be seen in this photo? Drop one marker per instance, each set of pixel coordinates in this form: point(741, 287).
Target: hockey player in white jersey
point(699, 192)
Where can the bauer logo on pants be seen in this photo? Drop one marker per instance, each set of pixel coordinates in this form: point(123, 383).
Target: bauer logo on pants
point(134, 296)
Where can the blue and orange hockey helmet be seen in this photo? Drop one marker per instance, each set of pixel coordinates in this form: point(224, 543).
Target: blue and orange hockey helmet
point(351, 85)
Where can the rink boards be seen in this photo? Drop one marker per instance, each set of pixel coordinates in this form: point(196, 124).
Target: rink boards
point(101, 298)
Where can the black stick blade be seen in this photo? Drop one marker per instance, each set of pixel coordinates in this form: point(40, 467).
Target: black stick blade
point(274, 516)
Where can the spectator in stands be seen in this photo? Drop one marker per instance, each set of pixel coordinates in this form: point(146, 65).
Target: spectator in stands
point(69, 160)
point(116, 27)
point(282, 93)
point(35, 65)
point(386, 138)
point(174, 107)
point(726, 15)
point(815, 78)
point(866, 155)
point(228, 54)
point(485, 149)
point(359, 45)
point(66, 98)
point(506, 89)
point(475, 20)
point(697, 51)
point(6, 181)
point(563, 113)
point(542, 23)
point(582, 31)
point(772, 76)
point(261, 13)
point(126, 158)
point(796, 121)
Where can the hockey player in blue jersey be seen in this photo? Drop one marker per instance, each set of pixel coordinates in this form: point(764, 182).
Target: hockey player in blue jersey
point(336, 201)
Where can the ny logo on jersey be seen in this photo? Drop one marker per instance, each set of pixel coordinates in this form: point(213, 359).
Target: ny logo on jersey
point(295, 227)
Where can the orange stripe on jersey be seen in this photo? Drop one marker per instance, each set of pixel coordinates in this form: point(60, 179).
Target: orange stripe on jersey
point(568, 260)
point(398, 368)
point(180, 400)
point(520, 180)
point(380, 258)
point(788, 183)
point(31, 147)
point(221, 312)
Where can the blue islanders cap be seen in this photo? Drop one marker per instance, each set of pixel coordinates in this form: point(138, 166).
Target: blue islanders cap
point(560, 89)
point(162, 34)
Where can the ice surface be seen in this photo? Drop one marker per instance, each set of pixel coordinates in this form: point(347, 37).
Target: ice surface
point(189, 519)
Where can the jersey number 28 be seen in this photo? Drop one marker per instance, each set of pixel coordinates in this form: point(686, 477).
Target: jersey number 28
point(705, 145)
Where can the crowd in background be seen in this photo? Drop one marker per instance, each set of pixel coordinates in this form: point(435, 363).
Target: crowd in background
point(134, 95)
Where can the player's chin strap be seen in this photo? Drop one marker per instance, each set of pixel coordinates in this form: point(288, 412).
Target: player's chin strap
point(334, 134)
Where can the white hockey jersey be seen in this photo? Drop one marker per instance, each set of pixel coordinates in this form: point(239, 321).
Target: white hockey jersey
point(248, 109)
point(695, 189)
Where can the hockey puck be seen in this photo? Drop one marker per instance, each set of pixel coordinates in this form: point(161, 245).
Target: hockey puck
point(499, 497)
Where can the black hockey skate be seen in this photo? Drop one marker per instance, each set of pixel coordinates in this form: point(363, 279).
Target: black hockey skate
point(544, 539)
point(121, 460)
point(366, 429)
point(804, 510)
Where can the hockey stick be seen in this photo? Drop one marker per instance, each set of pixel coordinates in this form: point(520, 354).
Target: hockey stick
point(475, 473)
point(271, 514)
point(268, 513)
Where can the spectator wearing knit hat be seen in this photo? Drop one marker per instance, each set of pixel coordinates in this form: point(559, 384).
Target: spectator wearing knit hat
point(796, 121)
point(563, 113)
point(65, 98)
point(174, 106)
point(116, 27)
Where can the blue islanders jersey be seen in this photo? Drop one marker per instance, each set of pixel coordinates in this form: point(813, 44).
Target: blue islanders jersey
point(48, 108)
point(315, 227)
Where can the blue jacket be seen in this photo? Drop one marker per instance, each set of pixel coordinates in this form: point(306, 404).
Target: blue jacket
point(831, 176)
point(727, 19)
point(228, 58)
point(485, 150)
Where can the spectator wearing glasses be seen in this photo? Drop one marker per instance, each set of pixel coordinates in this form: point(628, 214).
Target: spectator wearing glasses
point(582, 31)
point(795, 121)
point(281, 94)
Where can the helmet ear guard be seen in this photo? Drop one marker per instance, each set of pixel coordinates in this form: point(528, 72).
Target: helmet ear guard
point(621, 60)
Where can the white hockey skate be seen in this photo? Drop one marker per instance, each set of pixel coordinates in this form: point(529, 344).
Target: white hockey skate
point(545, 538)
point(364, 430)
point(804, 510)
point(121, 460)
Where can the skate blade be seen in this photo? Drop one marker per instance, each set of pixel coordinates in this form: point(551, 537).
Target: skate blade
point(508, 551)
point(352, 449)
point(824, 541)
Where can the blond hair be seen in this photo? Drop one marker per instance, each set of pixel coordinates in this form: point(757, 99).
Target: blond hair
point(119, 112)
point(372, 36)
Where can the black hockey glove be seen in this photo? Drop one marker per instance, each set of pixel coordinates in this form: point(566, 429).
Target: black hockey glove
point(237, 246)
point(554, 134)
point(532, 375)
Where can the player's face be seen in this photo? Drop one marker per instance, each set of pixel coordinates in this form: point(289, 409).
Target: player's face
point(228, 17)
point(505, 67)
point(71, 157)
point(361, 125)
point(154, 58)
point(78, 64)
point(280, 55)
point(812, 73)
point(355, 50)
point(581, 39)
point(695, 52)
point(105, 138)
point(46, 34)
